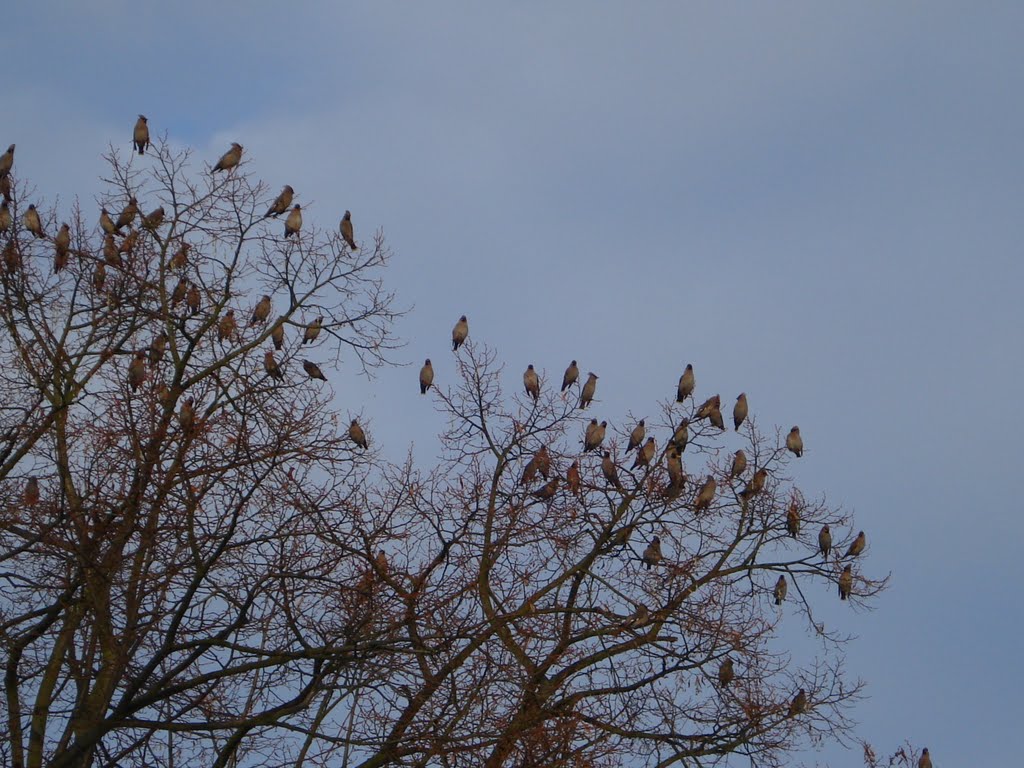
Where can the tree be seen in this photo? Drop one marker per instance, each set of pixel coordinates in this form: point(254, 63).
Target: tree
point(200, 566)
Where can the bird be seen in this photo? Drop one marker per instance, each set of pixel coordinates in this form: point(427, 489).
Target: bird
point(725, 673)
point(6, 188)
point(708, 406)
point(312, 331)
point(610, 471)
point(226, 327)
point(313, 370)
point(193, 299)
point(61, 244)
point(106, 223)
point(356, 434)
point(277, 336)
point(99, 275)
point(572, 373)
point(180, 289)
point(140, 136)
point(620, 539)
point(587, 395)
point(857, 545)
point(548, 490)
point(780, 590)
point(32, 496)
point(157, 347)
point(6, 162)
point(706, 495)
point(32, 222)
point(739, 464)
point(180, 258)
point(636, 437)
point(739, 411)
point(640, 618)
point(756, 484)
point(293, 223)
point(261, 311)
point(459, 333)
point(127, 215)
point(137, 370)
point(281, 202)
point(715, 417)
point(794, 442)
point(426, 376)
point(229, 159)
point(531, 382)
point(846, 582)
point(271, 367)
point(798, 705)
point(187, 415)
point(542, 459)
point(127, 245)
point(529, 472)
point(652, 554)
point(793, 520)
point(645, 454)
point(346, 230)
point(681, 436)
point(5, 217)
point(824, 541)
point(686, 384)
point(675, 468)
point(594, 435)
point(572, 478)
point(926, 760)
point(154, 219)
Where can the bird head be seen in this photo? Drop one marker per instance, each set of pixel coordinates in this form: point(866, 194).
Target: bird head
point(573, 363)
point(142, 118)
point(604, 424)
point(427, 362)
point(11, 149)
point(462, 319)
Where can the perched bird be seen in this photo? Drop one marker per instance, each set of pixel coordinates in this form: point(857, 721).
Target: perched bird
point(725, 673)
point(127, 245)
point(645, 454)
point(756, 484)
point(154, 219)
point(277, 336)
point(229, 159)
point(686, 384)
point(794, 442)
point(710, 405)
point(857, 545)
point(529, 472)
point(32, 496)
point(137, 370)
point(548, 490)
point(531, 382)
point(271, 367)
point(715, 417)
point(620, 539)
point(106, 223)
point(346, 230)
point(572, 478)
point(157, 347)
point(180, 258)
point(739, 464)
point(356, 435)
point(543, 461)
point(99, 275)
point(610, 471)
point(261, 311)
point(739, 411)
point(281, 202)
point(459, 333)
point(193, 299)
point(641, 617)
point(652, 555)
point(293, 223)
point(681, 436)
point(636, 437)
point(569, 377)
point(127, 215)
point(825, 541)
point(799, 704)
point(5, 217)
point(589, 388)
point(426, 376)
point(180, 289)
point(793, 520)
point(227, 325)
point(313, 370)
point(12, 256)
point(187, 415)
point(61, 245)
point(312, 331)
point(6, 162)
point(594, 435)
point(140, 136)
point(674, 460)
point(926, 760)
point(780, 590)
point(33, 223)
point(6, 188)
point(706, 495)
point(846, 582)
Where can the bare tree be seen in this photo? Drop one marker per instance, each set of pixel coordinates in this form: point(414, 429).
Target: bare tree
point(201, 566)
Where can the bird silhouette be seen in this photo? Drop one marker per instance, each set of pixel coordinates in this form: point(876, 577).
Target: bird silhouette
point(636, 437)
point(356, 434)
point(313, 370)
point(793, 520)
point(739, 464)
point(686, 384)
point(312, 331)
point(652, 554)
point(794, 442)
point(825, 541)
point(229, 159)
point(426, 376)
point(799, 704)
point(293, 223)
point(459, 333)
point(780, 590)
point(140, 136)
point(610, 471)
point(137, 370)
point(857, 545)
point(725, 673)
point(589, 388)
point(33, 223)
point(572, 373)
point(261, 312)
point(531, 382)
point(6, 162)
point(281, 202)
point(846, 582)
point(346, 230)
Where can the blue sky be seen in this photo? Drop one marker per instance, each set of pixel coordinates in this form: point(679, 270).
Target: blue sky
point(819, 205)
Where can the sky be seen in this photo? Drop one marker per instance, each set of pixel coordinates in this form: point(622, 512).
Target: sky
point(818, 204)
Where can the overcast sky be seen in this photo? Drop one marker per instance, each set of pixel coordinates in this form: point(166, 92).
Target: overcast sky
point(818, 204)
